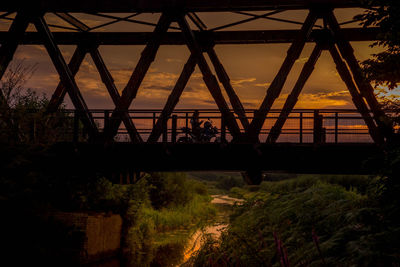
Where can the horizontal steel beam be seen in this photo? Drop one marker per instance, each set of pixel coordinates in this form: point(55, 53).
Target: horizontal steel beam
point(295, 158)
point(176, 38)
point(161, 5)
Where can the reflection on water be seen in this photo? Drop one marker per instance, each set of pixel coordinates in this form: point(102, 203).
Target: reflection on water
point(195, 241)
point(222, 199)
point(176, 247)
point(223, 204)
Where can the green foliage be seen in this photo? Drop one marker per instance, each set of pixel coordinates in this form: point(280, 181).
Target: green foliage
point(149, 222)
point(172, 189)
point(351, 229)
point(238, 192)
point(359, 183)
point(143, 209)
point(218, 183)
point(183, 216)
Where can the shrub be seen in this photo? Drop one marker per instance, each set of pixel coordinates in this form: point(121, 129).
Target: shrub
point(227, 182)
point(172, 189)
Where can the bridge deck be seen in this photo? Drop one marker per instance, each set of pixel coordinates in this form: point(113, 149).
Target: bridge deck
point(295, 158)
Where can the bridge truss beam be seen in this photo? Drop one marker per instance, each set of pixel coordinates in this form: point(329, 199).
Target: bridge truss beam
point(60, 92)
point(123, 6)
point(277, 84)
point(360, 90)
point(364, 87)
point(113, 92)
point(65, 74)
point(176, 38)
point(173, 99)
point(209, 78)
point(293, 96)
point(331, 37)
point(129, 93)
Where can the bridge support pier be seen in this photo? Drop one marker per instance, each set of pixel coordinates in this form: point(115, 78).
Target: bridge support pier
point(253, 177)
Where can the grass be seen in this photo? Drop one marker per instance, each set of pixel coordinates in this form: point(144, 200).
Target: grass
point(214, 180)
point(166, 230)
point(359, 183)
point(197, 210)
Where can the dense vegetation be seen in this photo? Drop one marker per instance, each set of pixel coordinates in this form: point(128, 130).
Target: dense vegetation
point(218, 182)
point(310, 220)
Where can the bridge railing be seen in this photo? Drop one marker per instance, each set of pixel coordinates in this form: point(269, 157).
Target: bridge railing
point(301, 126)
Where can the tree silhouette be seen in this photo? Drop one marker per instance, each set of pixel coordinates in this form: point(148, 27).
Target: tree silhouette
point(23, 118)
point(383, 68)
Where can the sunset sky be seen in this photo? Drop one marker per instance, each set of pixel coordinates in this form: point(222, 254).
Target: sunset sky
point(250, 67)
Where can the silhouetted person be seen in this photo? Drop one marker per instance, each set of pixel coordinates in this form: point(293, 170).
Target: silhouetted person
point(196, 123)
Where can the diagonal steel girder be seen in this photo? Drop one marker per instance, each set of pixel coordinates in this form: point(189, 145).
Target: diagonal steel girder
point(131, 89)
point(66, 75)
point(209, 79)
point(357, 98)
point(173, 99)
point(73, 21)
point(113, 91)
point(197, 57)
point(187, 71)
point(59, 94)
point(383, 122)
point(293, 96)
point(225, 80)
point(277, 84)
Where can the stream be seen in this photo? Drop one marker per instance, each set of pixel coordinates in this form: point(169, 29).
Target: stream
point(224, 205)
point(174, 248)
point(178, 246)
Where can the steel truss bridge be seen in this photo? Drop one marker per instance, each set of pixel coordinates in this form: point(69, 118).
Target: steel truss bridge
point(249, 143)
